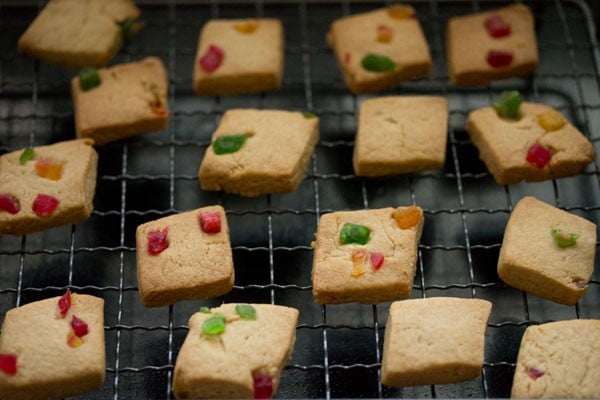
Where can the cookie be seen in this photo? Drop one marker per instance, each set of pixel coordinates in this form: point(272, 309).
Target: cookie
point(401, 134)
point(491, 45)
point(235, 351)
point(380, 49)
point(239, 56)
point(47, 186)
point(184, 257)
point(254, 152)
point(128, 100)
point(53, 348)
point(434, 341)
point(366, 256)
point(559, 360)
point(547, 251)
point(77, 33)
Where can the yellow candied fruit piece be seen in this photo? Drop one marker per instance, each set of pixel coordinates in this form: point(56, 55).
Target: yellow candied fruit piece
point(384, 34)
point(359, 258)
point(401, 11)
point(407, 217)
point(74, 341)
point(247, 27)
point(551, 120)
point(49, 169)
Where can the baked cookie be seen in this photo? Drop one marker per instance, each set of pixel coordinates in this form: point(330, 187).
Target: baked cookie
point(434, 341)
point(366, 256)
point(184, 257)
point(47, 186)
point(77, 33)
point(121, 101)
point(235, 351)
point(401, 134)
point(537, 144)
point(559, 360)
point(53, 348)
point(254, 152)
point(380, 49)
point(491, 45)
point(547, 251)
point(239, 56)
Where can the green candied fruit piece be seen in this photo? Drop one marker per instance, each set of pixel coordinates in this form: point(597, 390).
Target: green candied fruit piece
point(129, 26)
point(214, 325)
point(309, 115)
point(228, 144)
point(204, 310)
point(377, 63)
point(245, 311)
point(564, 239)
point(353, 233)
point(27, 155)
point(507, 104)
point(89, 79)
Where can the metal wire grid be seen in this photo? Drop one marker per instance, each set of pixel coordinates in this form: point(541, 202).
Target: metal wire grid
point(338, 350)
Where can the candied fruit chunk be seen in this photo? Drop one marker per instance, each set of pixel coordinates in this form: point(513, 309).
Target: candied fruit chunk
point(27, 155)
point(384, 34)
point(263, 385)
point(246, 27)
point(401, 11)
point(49, 168)
point(496, 26)
point(347, 57)
point(245, 311)
point(73, 340)
point(44, 205)
point(309, 115)
point(9, 204)
point(538, 155)
point(508, 103)
point(8, 363)
point(129, 26)
point(534, 373)
point(359, 259)
point(551, 120)
point(228, 144)
point(499, 58)
point(212, 59)
point(407, 217)
point(210, 222)
point(64, 303)
point(353, 233)
point(377, 260)
point(80, 328)
point(580, 283)
point(89, 79)
point(157, 241)
point(377, 63)
point(214, 325)
point(564, 239)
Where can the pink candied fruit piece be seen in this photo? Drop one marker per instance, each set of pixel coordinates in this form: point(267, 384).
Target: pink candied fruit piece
point(499, 58)
point(263, 385)
point(9, 204)
point(497, 26)
point(8, 363)
point(44, 205)
point(80, 328)
point(377, 260)
point(157, 241)
point(64, 303)
point(212, 59)
point(538, 155)
point(535, 373)
point(210, 222)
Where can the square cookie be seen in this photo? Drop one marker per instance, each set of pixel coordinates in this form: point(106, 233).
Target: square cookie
point(401, 134)
point(491, 45)
point(366, 256)
point(559, 360)
point(77, 33)
point(254, 152)
point(380, 49)
point(47, 186)
point(130, 99)
point(184, 257)
point(523, 149)
point(547, 251)
point(434, 341)
point(53, 354)
point(235, 351)
point(239, 56)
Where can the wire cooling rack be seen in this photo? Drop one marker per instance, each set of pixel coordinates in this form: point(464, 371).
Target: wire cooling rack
point(339, 348)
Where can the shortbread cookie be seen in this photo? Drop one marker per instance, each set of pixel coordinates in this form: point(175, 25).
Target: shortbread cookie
point(128, 99)
point(538, 144)
point(239, 56)
point(47, 186)
point(366, 256)
point(559, 360)
point(401, 134)
point(53, 348)
point(77, 33)
point(491, 45)
point(184, 257)
point(380, 49)
point(434, 341)
point(547, 251)
point(235, 351)
point(255, 152)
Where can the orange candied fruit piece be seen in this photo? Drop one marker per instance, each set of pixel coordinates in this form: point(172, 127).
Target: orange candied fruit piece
point(49, 168)
point(407, 217)
point(246, 27)
point(73, 340)
point(401, 11)
point(551, 120)
point(359, 258)
point(384, 34)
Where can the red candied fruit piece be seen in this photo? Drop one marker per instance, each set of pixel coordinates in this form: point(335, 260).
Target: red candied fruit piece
point(539, 155)
point(64, 303)
point(157, 241)
point(497, 26)
point(534, 373)
point(210, 222)
point(212, 59)
point(44, 205)
point(80, 328)
point(9, 204)
point(499, 58)
point(8, 363)
point(347, 58)
point(377, 260)
point(263, 385)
